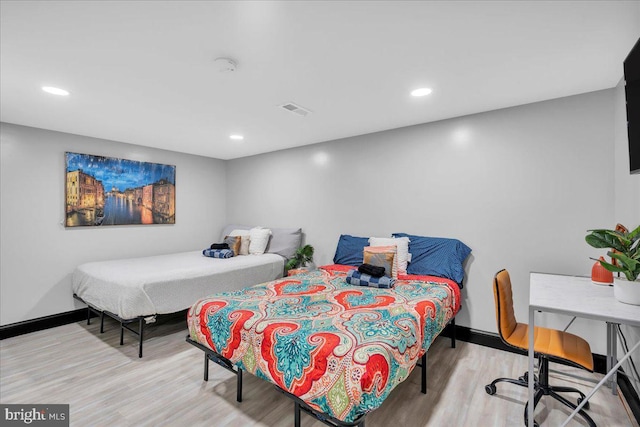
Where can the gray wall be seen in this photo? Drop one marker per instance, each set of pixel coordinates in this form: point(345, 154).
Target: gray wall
point(38, 254)
point(520, 186)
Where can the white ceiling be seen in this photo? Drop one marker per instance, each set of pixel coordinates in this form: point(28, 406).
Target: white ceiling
point(142, 72)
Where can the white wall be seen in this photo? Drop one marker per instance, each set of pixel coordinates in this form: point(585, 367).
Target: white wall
point(37, 254)
point(520, 186)
point(627, 199)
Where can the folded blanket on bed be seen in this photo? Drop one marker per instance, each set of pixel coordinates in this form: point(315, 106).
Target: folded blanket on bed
point(219, 246)
point(218, 253)
point(354, 277)
point(371, 270)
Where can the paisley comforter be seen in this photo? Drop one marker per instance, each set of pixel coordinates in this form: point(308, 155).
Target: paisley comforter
point(340, 348)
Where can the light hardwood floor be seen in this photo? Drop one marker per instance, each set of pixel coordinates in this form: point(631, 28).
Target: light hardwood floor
point(108, 385)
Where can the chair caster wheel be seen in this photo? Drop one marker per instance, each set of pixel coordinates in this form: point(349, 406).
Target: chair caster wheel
point(586, 405)
point(490, 389)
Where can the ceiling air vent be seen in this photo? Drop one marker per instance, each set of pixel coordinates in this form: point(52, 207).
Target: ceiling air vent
point(296, 109)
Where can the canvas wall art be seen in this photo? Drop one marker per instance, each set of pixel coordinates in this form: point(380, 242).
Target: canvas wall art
point(104, 191)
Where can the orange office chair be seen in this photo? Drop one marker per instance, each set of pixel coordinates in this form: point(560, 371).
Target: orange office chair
point(549, 343)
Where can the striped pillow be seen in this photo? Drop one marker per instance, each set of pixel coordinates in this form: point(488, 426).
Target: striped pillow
point(234, 244)
point(382, 256)
point(244, 240)
point(403, 256)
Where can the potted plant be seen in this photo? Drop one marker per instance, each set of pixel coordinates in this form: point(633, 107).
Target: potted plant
point(625, 259)
point(302, 258)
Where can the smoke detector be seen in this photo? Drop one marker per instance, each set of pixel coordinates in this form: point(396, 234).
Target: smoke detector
point(225, 65)
point(295, 108)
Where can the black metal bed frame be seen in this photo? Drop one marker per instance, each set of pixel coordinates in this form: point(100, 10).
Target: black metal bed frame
point(299, 404)
point(124, 323)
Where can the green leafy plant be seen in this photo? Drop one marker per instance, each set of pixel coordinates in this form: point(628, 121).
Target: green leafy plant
point(302, 256)
point(625, 247)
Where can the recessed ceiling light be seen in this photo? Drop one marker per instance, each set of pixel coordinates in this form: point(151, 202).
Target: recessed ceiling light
point(55, 90)
point(236, 137)
point(423, 91)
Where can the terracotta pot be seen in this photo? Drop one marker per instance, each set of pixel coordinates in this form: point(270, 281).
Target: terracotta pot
point(600, 275)
point(626, 291)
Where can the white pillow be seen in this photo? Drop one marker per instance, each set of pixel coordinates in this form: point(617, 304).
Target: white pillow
point(244, 240)
point(402, 243)
point(259, 239)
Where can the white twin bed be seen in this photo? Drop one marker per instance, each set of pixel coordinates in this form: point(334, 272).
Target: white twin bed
point(165, 284)
point(137, 289)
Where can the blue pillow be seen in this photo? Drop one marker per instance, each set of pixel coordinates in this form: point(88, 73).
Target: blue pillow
point(350, 250)
point(436, 256)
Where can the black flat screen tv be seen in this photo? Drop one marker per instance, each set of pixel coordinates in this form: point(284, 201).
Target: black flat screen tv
point(632, 93)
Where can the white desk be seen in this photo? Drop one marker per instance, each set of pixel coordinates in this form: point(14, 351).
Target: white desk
point(577, 296)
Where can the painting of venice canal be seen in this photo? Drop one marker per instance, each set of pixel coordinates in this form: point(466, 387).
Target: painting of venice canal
point(109, 191)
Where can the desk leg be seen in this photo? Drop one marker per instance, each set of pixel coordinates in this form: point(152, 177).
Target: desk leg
point(531, 407)
point(604, 380)
point(609, 352)
point(612, 355)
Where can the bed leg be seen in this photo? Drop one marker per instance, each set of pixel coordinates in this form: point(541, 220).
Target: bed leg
point(424, 373)
point(88, 316)
point(239, 381)
point(206, 367)
point(296, 414)
point(453, 332)
point(102, 322)
point(121, 333)
point(141, 333)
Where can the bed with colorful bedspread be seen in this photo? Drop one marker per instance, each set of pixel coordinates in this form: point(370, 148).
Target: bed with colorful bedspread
point(340, 349)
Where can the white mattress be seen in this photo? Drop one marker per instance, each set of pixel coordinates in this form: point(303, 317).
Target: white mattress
point(168, 283)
